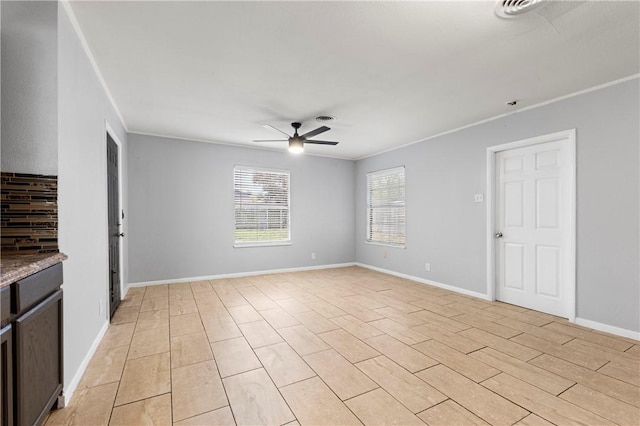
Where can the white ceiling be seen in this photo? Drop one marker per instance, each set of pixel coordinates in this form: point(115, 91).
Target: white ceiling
point(391, 73)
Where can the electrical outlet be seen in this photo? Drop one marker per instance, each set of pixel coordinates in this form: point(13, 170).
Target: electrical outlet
point(427, 267)
point(479, 198)
point(313, 256)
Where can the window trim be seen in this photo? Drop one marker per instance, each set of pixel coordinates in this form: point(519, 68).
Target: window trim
point(243, 244)
point(379, 173)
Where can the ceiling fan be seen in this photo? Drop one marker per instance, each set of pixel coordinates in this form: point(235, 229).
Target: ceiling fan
point(296, 142)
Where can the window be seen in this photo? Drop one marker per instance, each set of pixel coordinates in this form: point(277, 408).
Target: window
point(261, 207)
point(385, 207)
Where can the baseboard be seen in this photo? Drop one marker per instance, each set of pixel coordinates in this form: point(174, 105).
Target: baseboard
point(69, 390)
point(125, 290)
point(580, 321)
point(635, 335)
point(428, 282)
point(240, 274)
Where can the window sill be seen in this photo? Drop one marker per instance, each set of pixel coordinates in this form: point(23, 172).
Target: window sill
point(377, 243)
point(262, 244)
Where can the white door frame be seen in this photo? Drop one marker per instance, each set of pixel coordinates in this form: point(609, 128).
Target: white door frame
point(570, 134)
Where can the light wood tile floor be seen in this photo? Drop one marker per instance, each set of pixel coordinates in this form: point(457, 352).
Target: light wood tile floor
point(347, 346)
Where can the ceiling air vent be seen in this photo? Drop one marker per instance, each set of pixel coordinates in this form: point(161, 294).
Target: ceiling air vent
point(325, 118)
point(513, 8)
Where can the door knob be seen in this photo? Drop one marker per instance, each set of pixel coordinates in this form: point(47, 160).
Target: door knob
point(499, 235)
point(121, 234)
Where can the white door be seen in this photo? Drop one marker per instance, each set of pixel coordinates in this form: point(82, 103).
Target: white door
point(533, 226)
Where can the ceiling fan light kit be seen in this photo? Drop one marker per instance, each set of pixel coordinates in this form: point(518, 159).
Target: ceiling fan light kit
point(296, 146)
point(296, 142)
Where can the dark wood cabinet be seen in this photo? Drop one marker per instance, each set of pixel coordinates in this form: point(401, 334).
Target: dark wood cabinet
point(6, 364)
point(31, 347)
point(5, 306)
point(38, 361)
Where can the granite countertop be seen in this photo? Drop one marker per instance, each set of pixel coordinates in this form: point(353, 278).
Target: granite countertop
point(14, 267)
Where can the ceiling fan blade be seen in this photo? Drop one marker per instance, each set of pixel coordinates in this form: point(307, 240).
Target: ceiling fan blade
point(315, 132)
point(321, 142)
point(270, 140)
point(269, 126)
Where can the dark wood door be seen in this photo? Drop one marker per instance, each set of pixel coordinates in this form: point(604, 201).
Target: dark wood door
point(38, 360)
point(114, 224)
point(6, 364)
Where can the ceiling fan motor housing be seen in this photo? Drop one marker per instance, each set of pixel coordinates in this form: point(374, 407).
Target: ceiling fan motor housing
point(295, 126)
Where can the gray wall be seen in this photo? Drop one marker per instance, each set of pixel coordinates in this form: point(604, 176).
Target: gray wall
point(182, 214)
point(29, 87)
point(446, 228)
point(54, 115)
point(83, 111)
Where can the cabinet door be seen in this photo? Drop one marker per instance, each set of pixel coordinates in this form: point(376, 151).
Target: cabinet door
point(6, 365)
point(38, 360)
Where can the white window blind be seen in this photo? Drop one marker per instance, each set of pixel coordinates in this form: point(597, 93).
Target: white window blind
point(261, 206)
point(386, 207)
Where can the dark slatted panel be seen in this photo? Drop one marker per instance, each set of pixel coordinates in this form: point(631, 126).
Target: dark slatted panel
point(29, 212)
